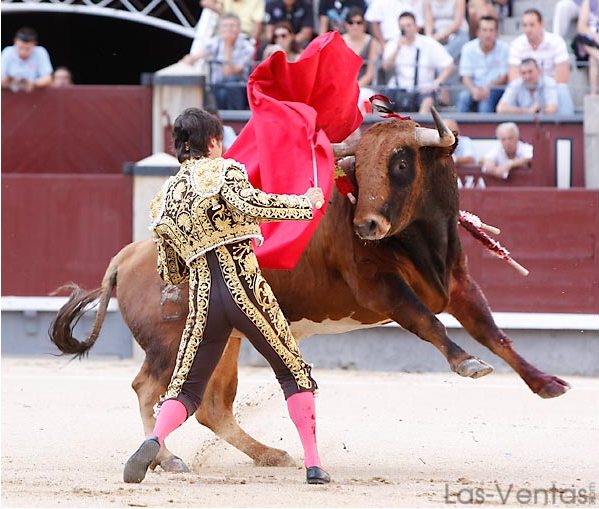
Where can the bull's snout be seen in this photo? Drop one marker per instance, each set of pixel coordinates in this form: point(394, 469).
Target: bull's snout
point(371, 227)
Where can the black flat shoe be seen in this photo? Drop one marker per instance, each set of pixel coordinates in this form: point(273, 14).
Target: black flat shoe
point(316, 475)
point(137, 465)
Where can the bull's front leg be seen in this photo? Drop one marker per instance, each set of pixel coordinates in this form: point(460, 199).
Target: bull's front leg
point(469, 306)
point(390, 296)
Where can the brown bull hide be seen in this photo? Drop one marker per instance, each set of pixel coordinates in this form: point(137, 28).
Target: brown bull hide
point(416, 271)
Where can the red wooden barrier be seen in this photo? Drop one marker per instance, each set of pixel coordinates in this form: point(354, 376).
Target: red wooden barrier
point(81, 129)
point(61, 228)
point(554, 234)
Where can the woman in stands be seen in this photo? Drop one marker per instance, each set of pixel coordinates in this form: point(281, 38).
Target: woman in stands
point(362, 44)
point(283, 38)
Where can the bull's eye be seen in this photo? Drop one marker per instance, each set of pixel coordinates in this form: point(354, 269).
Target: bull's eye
point(401, 167)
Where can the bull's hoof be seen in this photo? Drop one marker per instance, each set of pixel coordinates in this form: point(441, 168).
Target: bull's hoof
point(174, 465)
point(473, 368)
point(274, 458)
point(553, 387)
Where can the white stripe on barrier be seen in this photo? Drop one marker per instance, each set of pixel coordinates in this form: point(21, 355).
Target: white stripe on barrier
point(526, 321)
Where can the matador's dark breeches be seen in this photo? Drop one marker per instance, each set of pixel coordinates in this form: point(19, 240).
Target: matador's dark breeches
point(226, 291)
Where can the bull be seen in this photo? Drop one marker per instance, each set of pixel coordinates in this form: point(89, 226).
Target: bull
point(393, 256)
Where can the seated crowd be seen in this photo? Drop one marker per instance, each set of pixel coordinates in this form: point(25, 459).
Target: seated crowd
point(419, 52)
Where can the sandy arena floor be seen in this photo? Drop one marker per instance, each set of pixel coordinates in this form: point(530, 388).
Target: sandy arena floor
point(388, 439)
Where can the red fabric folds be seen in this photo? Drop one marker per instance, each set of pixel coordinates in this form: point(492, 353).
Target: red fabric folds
point(298, 109)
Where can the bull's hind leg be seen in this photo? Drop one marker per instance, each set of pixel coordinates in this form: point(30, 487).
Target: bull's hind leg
point(216, 412)
point(149, 389)
point(469, 306)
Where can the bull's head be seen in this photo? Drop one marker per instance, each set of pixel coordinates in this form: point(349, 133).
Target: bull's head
point(396, 163)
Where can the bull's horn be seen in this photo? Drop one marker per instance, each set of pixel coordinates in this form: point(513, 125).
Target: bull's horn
point(442, 137)
point(343, 149)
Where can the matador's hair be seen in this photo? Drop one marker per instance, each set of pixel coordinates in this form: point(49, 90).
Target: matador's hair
point(192, 132)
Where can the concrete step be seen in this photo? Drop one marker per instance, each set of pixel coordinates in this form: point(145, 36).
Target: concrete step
point(510, 26)
point(546, 8)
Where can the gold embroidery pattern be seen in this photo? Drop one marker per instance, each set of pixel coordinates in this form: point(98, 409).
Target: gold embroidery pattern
point(209, 203)
point(239, 193)
point(171, 267)
point(192, 217)
point(269, 320)
point(199, 297)
point(157, 203)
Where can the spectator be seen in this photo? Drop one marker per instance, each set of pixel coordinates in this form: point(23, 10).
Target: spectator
point(464, 151)
point(298, 13)
point(445, 21)
point(564, 13)
point(250, 13)
point(283, 39)
point(483, 68)
point(25, 65)
point(508, 153)
point(62, 78)
point(383, 14)
point(414, 58)
point(533, 93)
point(362, 44)
point(477, 9)
point(549, 50)
point(588, 36)
point(333, 13)
point(229, 55)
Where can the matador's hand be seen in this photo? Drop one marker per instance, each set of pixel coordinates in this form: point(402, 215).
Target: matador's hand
point(314, 194)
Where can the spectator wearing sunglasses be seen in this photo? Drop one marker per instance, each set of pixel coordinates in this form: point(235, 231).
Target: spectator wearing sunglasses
point(283, 39)
point(332, 14)
point(362, 44)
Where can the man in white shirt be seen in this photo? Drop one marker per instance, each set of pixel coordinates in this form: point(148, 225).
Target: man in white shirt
point(25, 65)
point(508, 153)
point(549, 50)
point(383, 14)
point(410, 53)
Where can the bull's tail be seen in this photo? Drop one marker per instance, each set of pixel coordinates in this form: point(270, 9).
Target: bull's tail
point(61, 329)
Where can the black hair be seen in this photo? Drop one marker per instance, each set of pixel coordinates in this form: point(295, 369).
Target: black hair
point(192, 132)
point(354, 12)
point(407, 14)
point(488, 18)
point(26, 34)
point(536, 12)
point(529, 60)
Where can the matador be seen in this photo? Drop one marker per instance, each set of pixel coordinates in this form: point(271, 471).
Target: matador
point(204, 220)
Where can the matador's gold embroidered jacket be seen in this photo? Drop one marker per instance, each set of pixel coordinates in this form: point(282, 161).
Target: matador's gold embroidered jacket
point(209, 203)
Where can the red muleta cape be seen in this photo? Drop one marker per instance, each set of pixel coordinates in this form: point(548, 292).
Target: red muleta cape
point(297, 107)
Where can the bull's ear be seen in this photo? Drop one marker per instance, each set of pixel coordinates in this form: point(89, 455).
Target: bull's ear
point(455, 143)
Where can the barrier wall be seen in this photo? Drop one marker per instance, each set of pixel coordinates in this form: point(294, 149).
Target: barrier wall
point(59, 228)
point(553, 233)
point(81, 129)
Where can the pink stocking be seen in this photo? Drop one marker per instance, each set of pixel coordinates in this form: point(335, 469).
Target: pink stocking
point(171, 415)
point(302, 413)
